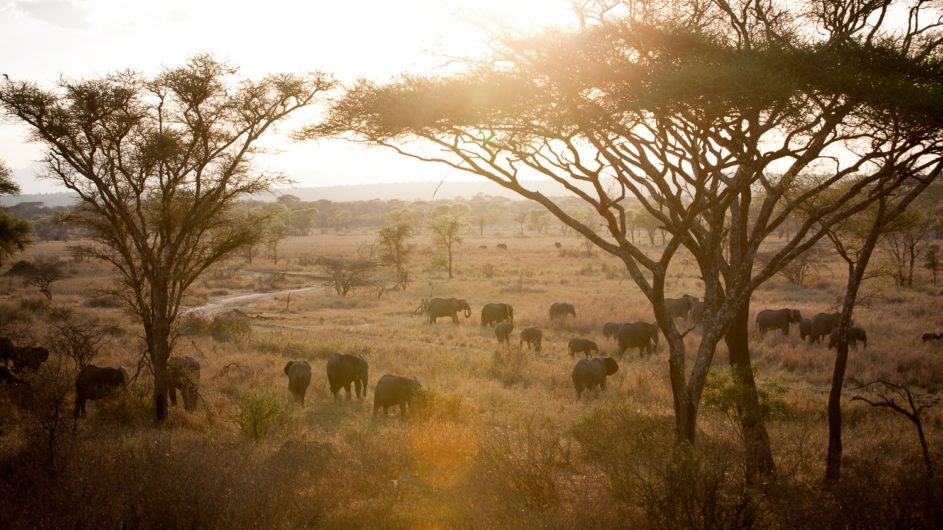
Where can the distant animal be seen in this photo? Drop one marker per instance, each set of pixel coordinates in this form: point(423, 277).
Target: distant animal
point(299, 377)
point(502, 246)
point(392, 390)
point(533, 337)
point(822, 325)
point(609, 329)
point(446, 307)
point(561, 309)
point(29, 358)
point(502, 332)
point(584, 346)
point(768, 319)
point(493, 313)
point(641, 335)
point(932, 337)
point(482, 246)
point(184, 375)
point(587, 374)
point(6, 350)
point(97, 382)
point(680, 307)
point(855, 335)
point(558, 244)
point(805, 328)
point(344, 369)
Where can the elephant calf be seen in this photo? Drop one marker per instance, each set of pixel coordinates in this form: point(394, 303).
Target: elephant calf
point(184, 375)
point(780, 319)
point(392, 390)
point(805, 328)
point(822, 324)
point(343, 369)
point(502, 332)
point(855, 334)
point(299, 377)
point(97, 382)
point(561, 309)
point(587, 374)
point(533, 337)
point(584, 346)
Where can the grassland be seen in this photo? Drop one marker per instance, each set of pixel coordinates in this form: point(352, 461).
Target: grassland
point(497, 440)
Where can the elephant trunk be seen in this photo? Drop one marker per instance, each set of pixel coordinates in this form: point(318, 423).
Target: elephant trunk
point(468, 313)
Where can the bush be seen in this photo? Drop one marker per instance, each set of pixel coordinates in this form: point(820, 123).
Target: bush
point(230, 327)
point(258, 411)
point(509, 366)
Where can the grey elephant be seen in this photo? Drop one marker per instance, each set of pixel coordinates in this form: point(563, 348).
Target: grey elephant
point(7, 377)
point(932, 337)
point(697, 312)
point(641, 335)
point(299, 377)
point(29, 358)
point(587, 374)
point(805, 328)
point(533, 337)
point(680, 307)
point(344, 369)
point(855, 335)
point(97, 382)
point(447, 307)
point(393, 390)
point(822, 325)
point(580, 345)
point(780, 319)
point(494, 313)
point(561, 309)
point(502, 332)
point(183, 374)
point(610, 329)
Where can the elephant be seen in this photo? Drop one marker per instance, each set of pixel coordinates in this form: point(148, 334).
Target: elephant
point(768, 319)
point(610, 329)
point(493, 313)
point(8, 377)
point(6, 349)
point(697, 312)
point(394, 390)
point(641, 335)
point(447, 307)
point(97, 382)
point(680, 307)
point(805, 328)
point(299, 377)
point(502, 332)
point(561, 309)
point(184, 375)
point(855, 335)
point(533, 337)
point(584, 346)
point(29, 358)
point(822, 325)
point(587, 374)
point(501, 246)
point(932, 337)
point(342, 369)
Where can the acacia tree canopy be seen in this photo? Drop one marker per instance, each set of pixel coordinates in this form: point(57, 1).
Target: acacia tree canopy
point(718, 118)
point(158, 165)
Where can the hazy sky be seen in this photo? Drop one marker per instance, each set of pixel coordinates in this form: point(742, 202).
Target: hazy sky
point(41, 40)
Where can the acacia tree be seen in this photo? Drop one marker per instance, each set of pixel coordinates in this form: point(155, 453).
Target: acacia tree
point(446, 224)
point(396, 249)
point(710, 114)
point(158, 165)
point(14, 233)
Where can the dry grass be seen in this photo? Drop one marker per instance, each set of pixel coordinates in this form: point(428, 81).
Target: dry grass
point(497, 438)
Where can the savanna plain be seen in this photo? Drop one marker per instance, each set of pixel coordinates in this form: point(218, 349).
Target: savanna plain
point(496, 437)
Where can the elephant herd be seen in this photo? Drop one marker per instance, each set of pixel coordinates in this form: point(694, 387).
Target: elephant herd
point(812, 329)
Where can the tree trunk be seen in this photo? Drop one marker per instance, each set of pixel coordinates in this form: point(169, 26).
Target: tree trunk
point(759, 457)
point(449, 250)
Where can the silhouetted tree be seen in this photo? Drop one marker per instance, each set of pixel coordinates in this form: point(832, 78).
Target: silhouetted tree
point(14, 233)
point(158, 165)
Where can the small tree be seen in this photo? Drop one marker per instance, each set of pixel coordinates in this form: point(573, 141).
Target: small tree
point(396, 249)
point(902, 244)
point(14, 233)
point(521, 219)
point(931, 261)
point(347, 274)
point(81, 338)
point(42, 273)
point(158, 166)
point(446, 226)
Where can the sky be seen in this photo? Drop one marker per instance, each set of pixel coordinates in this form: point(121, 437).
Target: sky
point(45, 40)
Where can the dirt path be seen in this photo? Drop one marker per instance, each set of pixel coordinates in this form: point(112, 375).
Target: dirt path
point(237, 301)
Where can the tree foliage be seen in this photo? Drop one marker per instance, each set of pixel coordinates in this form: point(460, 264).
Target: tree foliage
point(158, 165)
point(14, 233)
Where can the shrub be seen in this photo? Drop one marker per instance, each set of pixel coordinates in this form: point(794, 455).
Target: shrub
point(259, 410)
point(509, 366)
point(230, 327)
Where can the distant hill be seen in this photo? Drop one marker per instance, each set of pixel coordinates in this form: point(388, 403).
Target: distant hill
point(404, 191)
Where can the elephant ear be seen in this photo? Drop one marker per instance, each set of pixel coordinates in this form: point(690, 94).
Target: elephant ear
point(611, 365)
point(288, 366)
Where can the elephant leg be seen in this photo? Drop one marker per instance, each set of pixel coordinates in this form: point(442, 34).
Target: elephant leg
point(359, 388)
point(402, 410)
point(334, 392)
point(347, 390)
point(173, 394)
